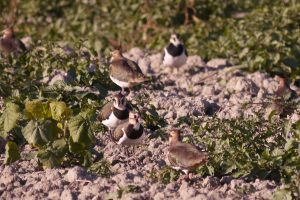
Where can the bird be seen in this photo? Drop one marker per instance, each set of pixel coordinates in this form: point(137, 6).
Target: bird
point(9, 43)
point(114, 113)
point(283, 88)
point(125, 72)
point(184, 156)
point(174, 53)
point(130, 133)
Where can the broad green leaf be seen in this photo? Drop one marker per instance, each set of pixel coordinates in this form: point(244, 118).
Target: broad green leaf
point(9, 119)
point(152, 111)
point(35, 108)
point(80, 129)
point(286, 127)
point(101, 89)
point(283, 194)
point(38, 132)
point(271, 115)
point(85, 159)
point(111, 195)
point(263, 174)
point(266, 154)
point(227, 167)
point(76, 148)
point(12, 153)
point(277, 152)
point(47, 158)
point(31, 155)
point(60, 110)
point(59, 148)
point(243, 52)
point(290, 144)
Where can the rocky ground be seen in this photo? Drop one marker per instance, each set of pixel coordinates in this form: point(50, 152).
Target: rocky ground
point(199, 88)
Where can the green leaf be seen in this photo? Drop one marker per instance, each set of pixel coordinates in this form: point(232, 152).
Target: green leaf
point(36, 109)
point(290, 144)
point(76, 148)
point(59, 110)
point(263, 174)
point(286, 127)
point(266, 154)
point(271, 115)
point(292, 62)
point(80, 129)
point(85, 159)
point(38, 132)
point(277, 152)
point(31, 155)
point(152, 111)
point(283, 194)
point(228, 167)
point(9, 119)
point(12, 153)
point(47, 158)
point(59, 148)
point(101, 89)
point(111, 195)
point(243, 52)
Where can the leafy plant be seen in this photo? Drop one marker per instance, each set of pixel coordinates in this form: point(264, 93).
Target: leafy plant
point(164, 175)
point(250, 147)
point(122, 191)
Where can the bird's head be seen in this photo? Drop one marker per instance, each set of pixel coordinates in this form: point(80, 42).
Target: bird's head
point(135, 118)
point(283, 81)
point(8, 32)
point(175, 39)
point(114, 54)
point(120, 101)
point(174, 135)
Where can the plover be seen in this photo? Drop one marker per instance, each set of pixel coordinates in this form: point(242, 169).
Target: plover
point(184, 156)
point(130, 133)
point(114, 113)
point(9, 43)
point(125, 72)
point(174, 53)
point(283, 88)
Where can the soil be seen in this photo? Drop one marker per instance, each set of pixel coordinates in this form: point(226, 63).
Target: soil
point(200, 88)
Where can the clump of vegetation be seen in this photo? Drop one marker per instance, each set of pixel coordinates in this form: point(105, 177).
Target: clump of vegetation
point(251, 148)
point(259, 35)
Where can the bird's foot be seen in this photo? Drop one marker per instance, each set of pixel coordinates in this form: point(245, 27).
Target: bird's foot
point(186, 177)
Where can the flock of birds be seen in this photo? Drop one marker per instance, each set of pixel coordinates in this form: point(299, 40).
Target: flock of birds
point(124, 123)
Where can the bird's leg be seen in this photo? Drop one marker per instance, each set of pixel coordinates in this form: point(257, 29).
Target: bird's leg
point(123, 90)
point(136, 161)
point(190, 177)
point(111, 139)
point(185, 177)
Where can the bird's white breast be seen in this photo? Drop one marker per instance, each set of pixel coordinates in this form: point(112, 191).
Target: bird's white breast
point(113, 121)
point(121, 83)
point(129, 142)
point(177, 61)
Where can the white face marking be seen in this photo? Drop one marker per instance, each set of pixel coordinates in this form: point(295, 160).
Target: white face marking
point(129, 142)
point(136, 126)
point(177, 61)
point(174, 40)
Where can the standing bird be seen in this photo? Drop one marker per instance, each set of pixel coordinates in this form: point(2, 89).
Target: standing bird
point(130, 133)
point(125, 72)
point(9, 43)
point(184, 156)
point(283, 88)
point(174, 53)
point(114, 113)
